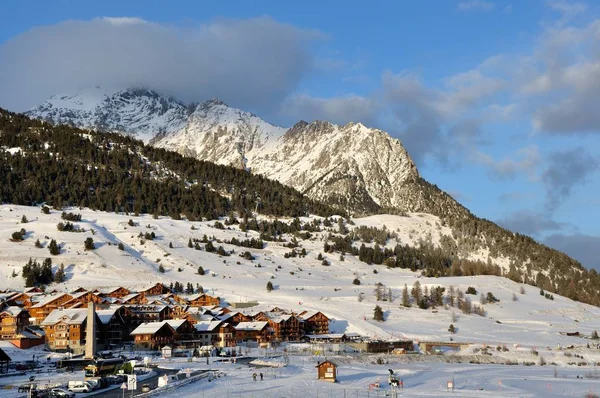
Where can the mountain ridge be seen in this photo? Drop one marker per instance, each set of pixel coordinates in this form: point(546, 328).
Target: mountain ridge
point(358, 168)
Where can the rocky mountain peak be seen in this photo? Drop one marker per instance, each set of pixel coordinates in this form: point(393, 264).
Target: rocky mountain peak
point(357, 167)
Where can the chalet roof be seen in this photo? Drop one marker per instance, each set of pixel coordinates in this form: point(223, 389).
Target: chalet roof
point(175, 323)
point(151, 328)
point(13, 310)
point(41, 301)
point(110, 290)
point(207, 326)
point(326, 362)
point(309, 314)
point(129, 297)
point(251, 326)
point(107, 314)
point(4, 356)
point(70, 316)
point(278, 317)
point(148, 287)
point(201, 317)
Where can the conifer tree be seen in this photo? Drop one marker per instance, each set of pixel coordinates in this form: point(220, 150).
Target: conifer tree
point(405, 297)
point(53, 248)
point(378, 314)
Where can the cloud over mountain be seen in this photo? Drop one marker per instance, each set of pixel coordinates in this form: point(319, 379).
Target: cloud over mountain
point(230, 59)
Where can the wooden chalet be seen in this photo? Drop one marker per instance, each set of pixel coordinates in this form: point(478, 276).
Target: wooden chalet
point(153, 335)
point(203, 300)
point(45, 304)
point(134, 298)
point(315, 322)
point(184, 330)
point(113, 328)
point(252, 331)
point(115, 292)
point(12, 322)
point(148, 313)
point(283, 326)
point(155, 289)
point(234, 318)
point(215, 333)
point(66, 330)
point(327, 371)
point(82, 299)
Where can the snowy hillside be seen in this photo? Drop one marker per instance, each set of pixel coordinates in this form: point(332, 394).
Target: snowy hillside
point(301, 283)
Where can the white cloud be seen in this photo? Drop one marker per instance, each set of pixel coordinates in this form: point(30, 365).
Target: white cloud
point(252, 63)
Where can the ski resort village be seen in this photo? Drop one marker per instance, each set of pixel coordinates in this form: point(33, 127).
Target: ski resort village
point(142, 305)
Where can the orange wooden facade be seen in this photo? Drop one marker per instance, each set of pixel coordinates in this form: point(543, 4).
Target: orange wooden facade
point(40, 312)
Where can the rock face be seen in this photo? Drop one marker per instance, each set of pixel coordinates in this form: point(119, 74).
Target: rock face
point(356, 167)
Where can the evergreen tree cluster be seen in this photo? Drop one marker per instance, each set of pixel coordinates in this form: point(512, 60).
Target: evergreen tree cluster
point(111, 172)
point(36, 274)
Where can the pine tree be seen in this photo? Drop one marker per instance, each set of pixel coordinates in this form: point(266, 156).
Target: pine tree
point(451, 328)
point(38, 244)
point(170, 245)
point(59, 275)
point(53, 248)
point(416, 292)
point(378, 314)
point(269, 286)
point(121, 246)
point(89, 244)
point(595, 335)
point(190, 245)
point(161, 268)
point(405, 297)
point(24, 220)
point(201, 270)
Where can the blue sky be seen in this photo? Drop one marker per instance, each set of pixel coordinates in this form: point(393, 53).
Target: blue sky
point(495, 100)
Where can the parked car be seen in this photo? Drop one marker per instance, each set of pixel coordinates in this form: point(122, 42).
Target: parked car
point(60, 393)
point(79, 386)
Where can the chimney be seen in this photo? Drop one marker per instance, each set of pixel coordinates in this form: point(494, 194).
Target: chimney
point(90, 335)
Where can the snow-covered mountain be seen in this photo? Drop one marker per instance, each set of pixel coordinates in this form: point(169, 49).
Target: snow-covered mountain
point(356, 167)
point(138, 112)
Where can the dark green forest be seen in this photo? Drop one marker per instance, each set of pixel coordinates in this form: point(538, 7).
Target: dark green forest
point(66, 166)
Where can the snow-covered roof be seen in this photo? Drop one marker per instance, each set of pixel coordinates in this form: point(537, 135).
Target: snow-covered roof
point(207, 326)
point(175, 323)
point(70, 316)
point(250, 326)
point(150, 328)
point(43, 300)
point(13, 310)
point(129, 297)
point(107, 314)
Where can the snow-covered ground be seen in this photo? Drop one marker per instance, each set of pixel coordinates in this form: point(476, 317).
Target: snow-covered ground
point(300, 283)
point(530, 323)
